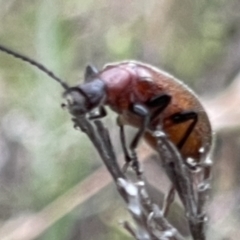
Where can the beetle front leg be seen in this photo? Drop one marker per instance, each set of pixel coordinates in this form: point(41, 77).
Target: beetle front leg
point(123, 143)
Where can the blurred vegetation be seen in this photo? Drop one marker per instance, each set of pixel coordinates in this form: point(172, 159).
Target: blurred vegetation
point(41, 155)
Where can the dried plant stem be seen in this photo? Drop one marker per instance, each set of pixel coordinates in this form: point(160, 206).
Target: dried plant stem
point(149, 220)
point(169, 200)
point(193, 200)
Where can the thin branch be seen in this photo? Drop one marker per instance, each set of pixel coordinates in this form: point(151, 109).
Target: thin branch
point(139, 204)
point(180, 176)
point(33, 226)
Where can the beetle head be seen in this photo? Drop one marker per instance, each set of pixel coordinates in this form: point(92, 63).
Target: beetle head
point(83, 98)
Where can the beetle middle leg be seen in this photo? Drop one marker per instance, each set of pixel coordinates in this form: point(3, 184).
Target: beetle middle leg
point(158, 103)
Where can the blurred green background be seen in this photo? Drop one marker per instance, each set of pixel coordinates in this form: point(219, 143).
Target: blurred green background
point(42, 156)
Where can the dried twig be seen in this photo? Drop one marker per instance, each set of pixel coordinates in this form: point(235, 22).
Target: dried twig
point(134, 194)
point(193, 199)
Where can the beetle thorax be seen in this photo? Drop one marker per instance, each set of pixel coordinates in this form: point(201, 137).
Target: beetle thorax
point(119, 86)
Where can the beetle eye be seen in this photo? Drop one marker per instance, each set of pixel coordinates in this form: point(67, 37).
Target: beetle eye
point(76, 102)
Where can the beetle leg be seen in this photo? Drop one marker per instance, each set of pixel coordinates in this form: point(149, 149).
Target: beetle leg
point(123, 141)
point(184, 117)
point(159, 102)
point(142, 112)
point(99, 114)
point(127, 157)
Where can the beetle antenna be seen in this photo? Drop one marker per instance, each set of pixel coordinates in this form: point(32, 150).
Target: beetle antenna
point(34, 63)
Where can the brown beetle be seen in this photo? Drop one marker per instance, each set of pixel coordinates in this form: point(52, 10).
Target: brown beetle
point(144, 97)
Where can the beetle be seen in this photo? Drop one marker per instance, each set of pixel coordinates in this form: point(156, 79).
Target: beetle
point(144, 97)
